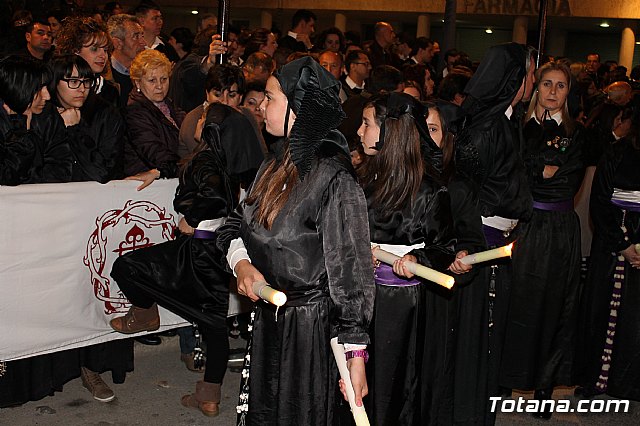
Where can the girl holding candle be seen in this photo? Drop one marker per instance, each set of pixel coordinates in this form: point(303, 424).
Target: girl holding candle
point(609, 344)
point(303, 230)
point(409, 215)
point(542, 321)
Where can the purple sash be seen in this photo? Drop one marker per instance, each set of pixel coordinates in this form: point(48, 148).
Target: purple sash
point(559, 206)
point(495, 237)
point(629, 206)
point(384, 276)
point(203, 234)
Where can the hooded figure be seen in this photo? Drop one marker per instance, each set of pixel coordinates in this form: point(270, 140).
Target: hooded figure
point(303, 228)
point(488, 145)
point(185, 275)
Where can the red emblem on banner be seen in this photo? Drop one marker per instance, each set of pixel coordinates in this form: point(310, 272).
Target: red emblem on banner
point(139, 224)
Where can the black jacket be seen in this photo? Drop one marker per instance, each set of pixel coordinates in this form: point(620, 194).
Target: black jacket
point(152, 138)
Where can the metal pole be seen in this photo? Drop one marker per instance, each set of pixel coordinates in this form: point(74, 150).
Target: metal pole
point(542, 29)
point(223, 25)
point(449, 41)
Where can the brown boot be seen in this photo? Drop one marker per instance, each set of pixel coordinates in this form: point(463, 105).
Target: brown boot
point(137, 319)
point(206, 398)
point(98, 388)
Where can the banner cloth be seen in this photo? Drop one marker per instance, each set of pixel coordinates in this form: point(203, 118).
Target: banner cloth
point(57, 245)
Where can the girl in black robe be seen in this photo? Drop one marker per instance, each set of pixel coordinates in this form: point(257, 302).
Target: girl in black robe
point(302, 229)
point(542, 322)
point(184, 275)
point(609, 344)
point(410, 216)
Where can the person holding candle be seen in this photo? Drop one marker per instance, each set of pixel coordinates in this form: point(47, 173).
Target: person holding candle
point(609, 340)
point(184, 275)
point(409, 216)
point(542, 321)
point(303, 230)
point(487, 156)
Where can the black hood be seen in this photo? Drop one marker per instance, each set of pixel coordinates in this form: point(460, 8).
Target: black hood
point(494, 85)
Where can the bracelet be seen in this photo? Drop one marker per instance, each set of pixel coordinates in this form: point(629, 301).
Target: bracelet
point(360, 353)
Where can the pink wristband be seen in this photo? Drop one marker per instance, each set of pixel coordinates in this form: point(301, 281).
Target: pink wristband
point(362, 353)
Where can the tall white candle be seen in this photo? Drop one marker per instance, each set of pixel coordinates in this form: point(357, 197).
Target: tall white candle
point(271, 295)
point(484, 256)
point(416, 269)
point(359, 414)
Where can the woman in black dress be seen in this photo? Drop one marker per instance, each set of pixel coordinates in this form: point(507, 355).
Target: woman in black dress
point(184, 275)
point(303, 229)
point(542, 323)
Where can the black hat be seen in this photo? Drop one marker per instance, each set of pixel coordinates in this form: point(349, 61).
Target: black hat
point(313, 95)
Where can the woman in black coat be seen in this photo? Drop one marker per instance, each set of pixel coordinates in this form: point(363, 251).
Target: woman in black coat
point(33, 148)
point(153, 124)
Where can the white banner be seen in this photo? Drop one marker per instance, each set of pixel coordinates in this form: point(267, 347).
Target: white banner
point(57, 245)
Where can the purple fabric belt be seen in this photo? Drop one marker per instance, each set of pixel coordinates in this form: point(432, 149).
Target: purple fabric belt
point(203, 234)
point(559, 206)
point(495, 237)
point(384, 276)
point(627, 205)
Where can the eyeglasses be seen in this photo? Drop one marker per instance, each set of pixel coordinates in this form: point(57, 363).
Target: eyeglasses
point(75, 83)
point(366, 64)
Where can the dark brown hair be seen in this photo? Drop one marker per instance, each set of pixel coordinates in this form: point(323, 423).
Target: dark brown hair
point(393, 177)
point(273, 189)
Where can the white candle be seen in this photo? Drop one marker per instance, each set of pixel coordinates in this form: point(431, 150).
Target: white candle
point(416, 269)
point(483, 256)
point(359, 414)
point(271, 295)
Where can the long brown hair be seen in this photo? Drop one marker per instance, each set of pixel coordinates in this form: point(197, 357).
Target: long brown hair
point(392, 177)
point(273, 188)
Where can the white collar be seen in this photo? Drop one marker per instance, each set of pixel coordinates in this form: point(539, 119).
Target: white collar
point(157, 42)
point(557, 117)
point(352, 84)
point(508, 112)
point(292, 34)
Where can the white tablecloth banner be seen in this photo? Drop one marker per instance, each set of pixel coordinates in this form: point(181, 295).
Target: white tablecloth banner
point(57, 245)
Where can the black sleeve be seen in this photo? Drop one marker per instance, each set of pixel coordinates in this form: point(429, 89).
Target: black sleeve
point(203, 194)
point(605, 216)
point(438, 231)
point(347, 256)
point(17, 150)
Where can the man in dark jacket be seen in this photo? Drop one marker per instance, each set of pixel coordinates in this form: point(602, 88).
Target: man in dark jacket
point(298, 39)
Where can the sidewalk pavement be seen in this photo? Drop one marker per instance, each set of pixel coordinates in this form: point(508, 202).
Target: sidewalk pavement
point(151, 396)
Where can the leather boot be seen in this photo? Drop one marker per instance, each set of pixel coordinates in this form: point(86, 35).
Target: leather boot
point(137, 320)
point(206, 398)
point(543, 395)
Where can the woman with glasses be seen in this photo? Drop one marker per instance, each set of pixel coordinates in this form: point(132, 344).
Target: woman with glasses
point(153, 123)
point(89, 38)
point(93, 127)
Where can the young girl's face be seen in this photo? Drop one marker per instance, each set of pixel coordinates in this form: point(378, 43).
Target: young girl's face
point(274, 109)
point(434, 124)
point(369, 131)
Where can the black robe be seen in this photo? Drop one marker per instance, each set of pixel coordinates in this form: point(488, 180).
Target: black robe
point(411, 367)
point(618, 169)
point(317, 252)
point(542, 323)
